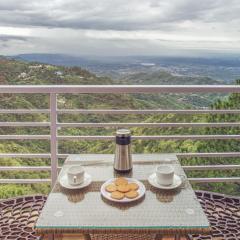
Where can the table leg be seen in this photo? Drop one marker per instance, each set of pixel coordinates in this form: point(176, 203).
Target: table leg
point(50, 236)
point(86, 236)
point(177, 237)
point(158, 237)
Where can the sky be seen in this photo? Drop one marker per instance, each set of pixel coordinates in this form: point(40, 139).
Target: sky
point(120, 27)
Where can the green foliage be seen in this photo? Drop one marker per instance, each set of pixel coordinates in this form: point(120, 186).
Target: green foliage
point(7, 191)
point(13, 190)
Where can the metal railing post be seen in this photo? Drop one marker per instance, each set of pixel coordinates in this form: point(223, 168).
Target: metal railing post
point(53, 131)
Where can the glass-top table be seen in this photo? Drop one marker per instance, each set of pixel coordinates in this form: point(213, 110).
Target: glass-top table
point(165, 212)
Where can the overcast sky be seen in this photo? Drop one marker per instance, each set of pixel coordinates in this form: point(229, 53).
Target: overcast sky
point(120, 27)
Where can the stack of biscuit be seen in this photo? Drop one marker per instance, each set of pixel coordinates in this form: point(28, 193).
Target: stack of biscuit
point(120, 188)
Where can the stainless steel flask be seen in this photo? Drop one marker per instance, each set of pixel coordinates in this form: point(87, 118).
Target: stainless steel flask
point(123, 157)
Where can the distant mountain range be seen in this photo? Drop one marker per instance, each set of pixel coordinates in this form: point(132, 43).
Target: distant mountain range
point(55, 59)
point(220, 69)
point(64, 59)
point(164, 77)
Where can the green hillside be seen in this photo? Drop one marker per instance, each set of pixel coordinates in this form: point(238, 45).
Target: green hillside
point(162, 77)
point(19, 72)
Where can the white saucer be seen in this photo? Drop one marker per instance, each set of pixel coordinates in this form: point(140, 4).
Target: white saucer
point(141, 191)
point(64, 182)
point(177, 181)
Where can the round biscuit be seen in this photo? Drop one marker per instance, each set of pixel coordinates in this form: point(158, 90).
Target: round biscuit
point(117, 195)
point(111, 188)
point(132, 194)
point(133, 186)
point(123, 188)
point(121, 181)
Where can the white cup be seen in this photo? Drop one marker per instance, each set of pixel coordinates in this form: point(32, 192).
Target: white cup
point(165, 174)
point(75, 175)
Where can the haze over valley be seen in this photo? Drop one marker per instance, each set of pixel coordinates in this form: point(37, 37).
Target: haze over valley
point(218, 70)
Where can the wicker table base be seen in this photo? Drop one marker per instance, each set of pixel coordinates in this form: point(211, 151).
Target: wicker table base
point(112, 237)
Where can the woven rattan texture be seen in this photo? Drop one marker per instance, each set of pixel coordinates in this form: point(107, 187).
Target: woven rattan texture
point(18, 217)
point(123, 236)
point(223, 213)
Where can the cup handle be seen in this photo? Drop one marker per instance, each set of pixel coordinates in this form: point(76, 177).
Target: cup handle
point(184, 179)
point(74, 179)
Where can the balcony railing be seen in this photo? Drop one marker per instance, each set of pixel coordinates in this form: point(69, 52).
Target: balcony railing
point(53, 111)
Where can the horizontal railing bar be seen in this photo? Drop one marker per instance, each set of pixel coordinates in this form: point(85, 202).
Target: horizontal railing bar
point(121, 111)
point(24, 137)
point(215, 180)
point(85, 137)
point(211, 167)
point(162, 137)
point(120, 89)
point(183, 137)
point(186, 168)
point(25, 155)
point(62, 155)
point(186, 155)
point(24, 124)
point(23, 181)
point(210, 154)
point(47, 124)
point(25, 168)
point(23, 111)
point(97, 125)
point(146, 111)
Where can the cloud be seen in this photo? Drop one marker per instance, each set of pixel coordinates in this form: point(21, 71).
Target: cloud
point(115, 15)
point(6, 38)
point(111, 27)
point(8, 42)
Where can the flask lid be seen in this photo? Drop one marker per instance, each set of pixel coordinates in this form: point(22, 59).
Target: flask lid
point(123, 133)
